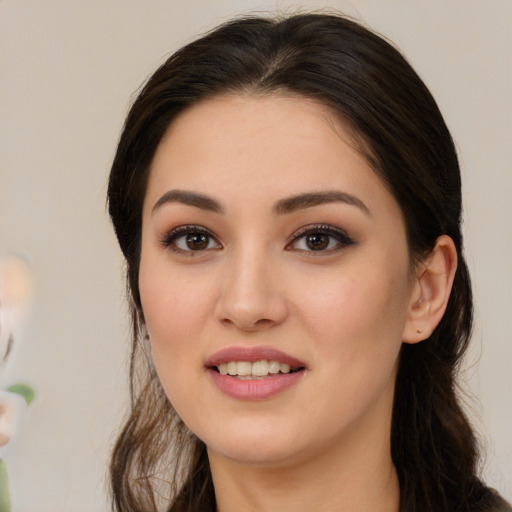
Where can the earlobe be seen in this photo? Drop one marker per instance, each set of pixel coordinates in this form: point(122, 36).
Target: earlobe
point(432, 287)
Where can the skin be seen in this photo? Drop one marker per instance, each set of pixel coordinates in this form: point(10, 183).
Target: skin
point(322, 444)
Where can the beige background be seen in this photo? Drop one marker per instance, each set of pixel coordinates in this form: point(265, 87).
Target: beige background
point(68, 69)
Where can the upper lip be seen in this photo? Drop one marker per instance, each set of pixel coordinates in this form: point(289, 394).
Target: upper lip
point(252, 355)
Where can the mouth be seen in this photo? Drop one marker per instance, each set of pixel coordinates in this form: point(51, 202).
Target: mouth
point(247, 370)
point(254, 373)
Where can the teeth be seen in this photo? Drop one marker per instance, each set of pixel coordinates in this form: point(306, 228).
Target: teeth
point(260, 368)
point(285, 368)
point(274, 367)
point(244, 368)
point(257, 369)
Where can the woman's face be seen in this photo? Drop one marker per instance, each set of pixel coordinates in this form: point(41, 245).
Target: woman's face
point(275, 280)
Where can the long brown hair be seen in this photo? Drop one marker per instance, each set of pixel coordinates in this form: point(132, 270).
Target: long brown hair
point(157, 463)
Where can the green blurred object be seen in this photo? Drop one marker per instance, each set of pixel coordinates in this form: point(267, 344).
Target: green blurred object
point(26, 391)
point(5, 500)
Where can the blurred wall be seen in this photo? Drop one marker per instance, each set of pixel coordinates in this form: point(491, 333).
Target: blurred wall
point(68, 71)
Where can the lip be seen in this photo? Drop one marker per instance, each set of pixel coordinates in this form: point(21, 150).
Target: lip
point(252, 355)
point(254, 389)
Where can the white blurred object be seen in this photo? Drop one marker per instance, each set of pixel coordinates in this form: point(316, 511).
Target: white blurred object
point(16, 291)
point(13, 411)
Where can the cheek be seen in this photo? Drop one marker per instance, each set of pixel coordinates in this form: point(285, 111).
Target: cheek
point(358, 317)
point(356, 324)
point(173, 309)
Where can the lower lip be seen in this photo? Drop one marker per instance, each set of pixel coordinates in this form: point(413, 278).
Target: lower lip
point(254, 389)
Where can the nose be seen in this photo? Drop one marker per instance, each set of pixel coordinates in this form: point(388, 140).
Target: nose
point(252, 297)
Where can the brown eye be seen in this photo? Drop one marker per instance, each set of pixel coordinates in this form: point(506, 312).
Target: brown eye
point(317, 241)
point(189, 239)
point(321, 239)
point(197, 241)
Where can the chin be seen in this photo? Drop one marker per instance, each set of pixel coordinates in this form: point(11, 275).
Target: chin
point(246, 440)
point(256, 454)
point(266, 446)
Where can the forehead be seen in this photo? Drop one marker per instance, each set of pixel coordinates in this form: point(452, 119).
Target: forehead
point(261, 146)
point(226, 119)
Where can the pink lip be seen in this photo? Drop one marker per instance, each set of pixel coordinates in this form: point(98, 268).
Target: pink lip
point(252, 354)
point(254, 389)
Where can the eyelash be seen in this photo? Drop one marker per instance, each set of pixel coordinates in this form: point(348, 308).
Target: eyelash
point(340, 236)
point(169, 241)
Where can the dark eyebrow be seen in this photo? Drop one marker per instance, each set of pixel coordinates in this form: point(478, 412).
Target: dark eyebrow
point(191, 199)
point(294, 203)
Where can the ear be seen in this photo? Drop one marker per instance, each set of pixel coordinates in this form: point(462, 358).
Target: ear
point(432, 285)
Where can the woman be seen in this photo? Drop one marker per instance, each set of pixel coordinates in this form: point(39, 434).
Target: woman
point(287, 197)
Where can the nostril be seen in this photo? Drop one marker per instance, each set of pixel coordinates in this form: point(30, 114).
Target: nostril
point(248, 326)
point(264, 321)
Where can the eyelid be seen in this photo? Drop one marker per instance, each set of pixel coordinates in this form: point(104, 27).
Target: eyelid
point(179, 231)
point(340, 235)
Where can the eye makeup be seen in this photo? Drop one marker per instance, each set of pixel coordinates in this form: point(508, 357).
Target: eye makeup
point(190, 239)
point(320, 239)
point(317, 239)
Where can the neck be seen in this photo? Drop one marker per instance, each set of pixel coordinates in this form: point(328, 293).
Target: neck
point(348, 479)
